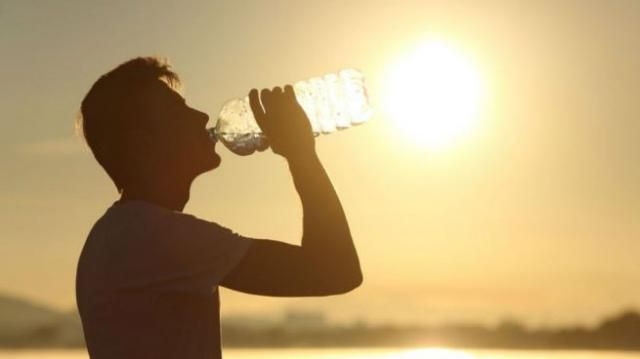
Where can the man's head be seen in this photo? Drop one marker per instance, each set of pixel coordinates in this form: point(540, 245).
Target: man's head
point(139, 128)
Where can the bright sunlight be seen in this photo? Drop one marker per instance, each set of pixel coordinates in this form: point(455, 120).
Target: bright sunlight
point(434, 353)
point(433, 94)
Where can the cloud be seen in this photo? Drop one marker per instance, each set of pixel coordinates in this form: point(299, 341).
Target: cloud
point(66, 146)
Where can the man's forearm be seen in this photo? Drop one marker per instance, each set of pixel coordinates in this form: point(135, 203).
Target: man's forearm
point(325, 229)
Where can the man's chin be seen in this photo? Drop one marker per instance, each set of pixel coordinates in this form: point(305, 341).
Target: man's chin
point(213, 163)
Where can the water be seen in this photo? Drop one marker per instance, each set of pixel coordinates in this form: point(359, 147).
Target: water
point(359, 354)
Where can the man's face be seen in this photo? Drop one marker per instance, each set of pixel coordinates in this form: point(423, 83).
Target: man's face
point(178, 136)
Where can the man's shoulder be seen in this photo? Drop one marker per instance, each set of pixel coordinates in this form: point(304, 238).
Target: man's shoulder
point(140, 214)
point(137, 221)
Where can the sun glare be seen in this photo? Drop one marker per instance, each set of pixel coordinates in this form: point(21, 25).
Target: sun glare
point(433, 94)
point(435, 353)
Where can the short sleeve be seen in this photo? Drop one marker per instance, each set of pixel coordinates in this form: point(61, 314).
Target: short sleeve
point(178, 252)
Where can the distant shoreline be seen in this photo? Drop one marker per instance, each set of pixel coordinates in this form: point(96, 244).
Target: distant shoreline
point(28, 326)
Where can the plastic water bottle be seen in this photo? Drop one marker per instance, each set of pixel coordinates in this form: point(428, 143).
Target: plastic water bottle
point(332, 102)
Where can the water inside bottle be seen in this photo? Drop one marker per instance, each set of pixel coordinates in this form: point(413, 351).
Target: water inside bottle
point(240, 143)
point(237, 129)
point(331, 102)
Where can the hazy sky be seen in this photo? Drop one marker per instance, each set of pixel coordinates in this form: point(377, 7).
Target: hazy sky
point(533, 216)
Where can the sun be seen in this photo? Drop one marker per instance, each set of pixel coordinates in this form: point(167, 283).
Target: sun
point(433, 94)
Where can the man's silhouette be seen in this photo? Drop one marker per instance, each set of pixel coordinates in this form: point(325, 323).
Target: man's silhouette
point(148, 274)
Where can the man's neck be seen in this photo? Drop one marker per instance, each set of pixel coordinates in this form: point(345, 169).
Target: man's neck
point(173, 196)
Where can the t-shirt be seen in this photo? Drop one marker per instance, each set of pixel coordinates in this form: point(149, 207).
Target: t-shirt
point(147, 283)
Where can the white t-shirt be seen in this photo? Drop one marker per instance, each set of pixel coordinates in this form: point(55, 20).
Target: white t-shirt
point(147, 283)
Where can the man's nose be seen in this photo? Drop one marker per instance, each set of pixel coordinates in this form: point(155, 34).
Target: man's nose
point(202, 117)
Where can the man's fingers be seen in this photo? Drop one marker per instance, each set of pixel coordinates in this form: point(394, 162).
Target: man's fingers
point(288, 91)
point(290, 96)
point(256, 108)
point(277, 96)
point(266, 97)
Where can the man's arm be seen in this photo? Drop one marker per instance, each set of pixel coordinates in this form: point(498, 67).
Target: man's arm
point(326, 263)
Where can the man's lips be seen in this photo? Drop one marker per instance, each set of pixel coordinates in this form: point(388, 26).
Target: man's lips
point(212, 135)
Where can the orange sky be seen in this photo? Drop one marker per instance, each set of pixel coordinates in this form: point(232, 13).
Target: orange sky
point(533, 216)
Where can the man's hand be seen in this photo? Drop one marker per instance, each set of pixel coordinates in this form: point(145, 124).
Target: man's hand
point(284, 122)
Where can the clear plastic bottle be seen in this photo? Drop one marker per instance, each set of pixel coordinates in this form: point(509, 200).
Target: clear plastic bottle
point(332, 102)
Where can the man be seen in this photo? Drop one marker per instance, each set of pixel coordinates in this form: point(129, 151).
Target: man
point(148, 274)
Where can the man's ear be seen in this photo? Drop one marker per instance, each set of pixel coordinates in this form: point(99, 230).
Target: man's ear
point(137, 146)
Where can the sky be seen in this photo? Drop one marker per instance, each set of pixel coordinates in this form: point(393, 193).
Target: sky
point(532, 216)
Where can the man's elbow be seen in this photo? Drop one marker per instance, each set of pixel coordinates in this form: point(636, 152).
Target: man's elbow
point(355, 282)
point(338, 276)
point(347, 283)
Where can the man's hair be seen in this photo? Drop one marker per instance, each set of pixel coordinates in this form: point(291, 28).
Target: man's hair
point(111, 108)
